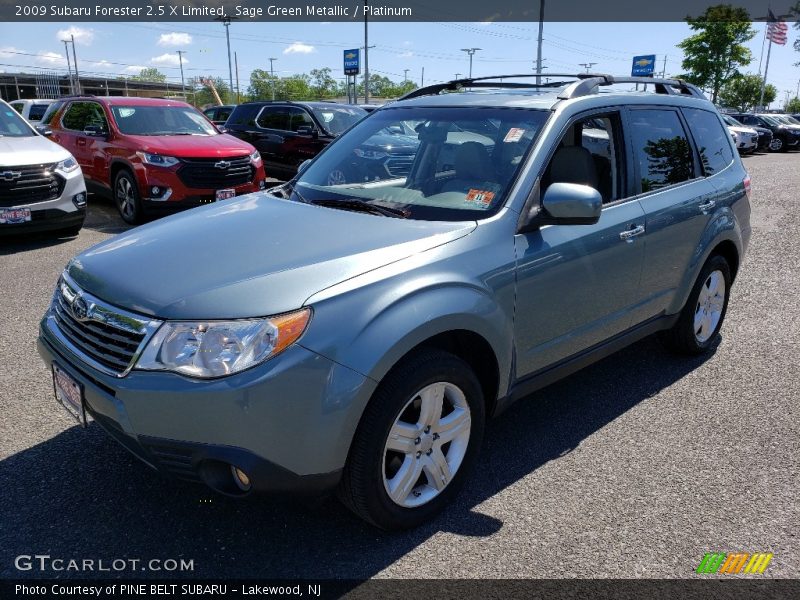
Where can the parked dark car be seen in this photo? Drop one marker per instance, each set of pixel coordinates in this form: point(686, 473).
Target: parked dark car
point(289, 133)
point(764, 134)
point(784, 135)
point(219, 114)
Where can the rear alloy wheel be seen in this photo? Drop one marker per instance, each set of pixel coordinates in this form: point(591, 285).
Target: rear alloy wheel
point(777, 145)
point(416, 443)
point(701, 318)
point(126, 195)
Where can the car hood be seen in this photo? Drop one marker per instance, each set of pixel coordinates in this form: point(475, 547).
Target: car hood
point(742, 129)
point(255, 256)
point(192, 146)
point(29, 151)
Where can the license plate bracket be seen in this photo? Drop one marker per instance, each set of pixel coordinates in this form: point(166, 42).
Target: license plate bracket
point(69, 393)
point(12, 216)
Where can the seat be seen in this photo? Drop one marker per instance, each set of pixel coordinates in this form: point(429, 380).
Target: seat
point(573, 164)
point(473, 169)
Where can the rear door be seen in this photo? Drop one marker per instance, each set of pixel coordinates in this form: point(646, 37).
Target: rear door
point(676, 196)
point(269, 137)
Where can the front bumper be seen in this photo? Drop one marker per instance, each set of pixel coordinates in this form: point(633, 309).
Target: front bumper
point(50, 215)
point(179, 195)
point(287, 423)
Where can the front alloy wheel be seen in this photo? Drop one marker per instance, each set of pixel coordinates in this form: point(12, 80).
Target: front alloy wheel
point(417, 441)
point(127, 197)
point(426, 444)
point(776, 145)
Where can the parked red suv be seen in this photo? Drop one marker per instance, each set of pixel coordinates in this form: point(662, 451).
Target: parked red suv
point(153, 154)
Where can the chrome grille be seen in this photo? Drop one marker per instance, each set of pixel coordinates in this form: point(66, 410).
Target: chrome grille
point(108, 338)
point(29, 184)
point(399, 166)
point(200, 173)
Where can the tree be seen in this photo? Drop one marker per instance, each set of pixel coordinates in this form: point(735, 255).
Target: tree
point(202, 95)
point(322, 84)
point(744, 92)
point(150, 74)
point(714, 54)
point(793, 106)
point(795, 10)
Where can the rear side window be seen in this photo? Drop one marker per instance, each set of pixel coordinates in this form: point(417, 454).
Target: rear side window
point(711, 139)
point(223, 114)
point(17, 106)
point(243, 115)
point(37, 112)
point(661, 148)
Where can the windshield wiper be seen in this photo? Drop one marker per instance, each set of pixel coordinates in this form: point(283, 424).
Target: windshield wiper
point(356, 204)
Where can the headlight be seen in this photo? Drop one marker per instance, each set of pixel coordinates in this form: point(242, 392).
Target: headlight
point(157, 160)
point(207, 349)
point(67, 165)
point(255, 157)
point(369, 154)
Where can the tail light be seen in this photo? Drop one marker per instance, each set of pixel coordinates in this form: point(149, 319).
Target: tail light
point(746, 182)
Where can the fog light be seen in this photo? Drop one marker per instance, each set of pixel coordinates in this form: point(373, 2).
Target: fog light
point(262, 185)
point(79, 200)
point(241, 478)
point(156, 191)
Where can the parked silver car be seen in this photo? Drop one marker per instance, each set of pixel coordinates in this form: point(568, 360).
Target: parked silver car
point(355, 335)
point(41, 184)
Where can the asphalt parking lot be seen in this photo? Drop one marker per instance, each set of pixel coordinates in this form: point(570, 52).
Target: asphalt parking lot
point(634, 467)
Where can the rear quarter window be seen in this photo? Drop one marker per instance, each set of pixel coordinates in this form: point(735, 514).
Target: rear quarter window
point(661, 148)
point(711, 139)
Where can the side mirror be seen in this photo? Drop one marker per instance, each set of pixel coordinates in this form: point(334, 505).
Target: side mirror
point(304, 165)
point(45, 131)
point(222, 129)
point(308, 130)
point(94, 131)
point(572, 204)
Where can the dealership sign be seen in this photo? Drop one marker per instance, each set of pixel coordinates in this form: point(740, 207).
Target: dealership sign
point(643, 66)
point(352, 62)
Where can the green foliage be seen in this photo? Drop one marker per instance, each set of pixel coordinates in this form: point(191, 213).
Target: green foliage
point(150, 74)
point(202, 97)
point(793, 106)
point(319, 84)
point(714, 54)
point(743, 92)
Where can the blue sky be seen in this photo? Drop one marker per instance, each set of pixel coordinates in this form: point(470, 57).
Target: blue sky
point(124, 48)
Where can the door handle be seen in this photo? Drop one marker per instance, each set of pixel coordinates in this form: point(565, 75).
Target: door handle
point(631, 233)
point(80, 142)
point(707, 205)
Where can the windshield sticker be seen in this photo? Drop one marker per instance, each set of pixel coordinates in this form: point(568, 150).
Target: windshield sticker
point(514, 135)
point(480, 197)
point(126, 112)
point(327, 116)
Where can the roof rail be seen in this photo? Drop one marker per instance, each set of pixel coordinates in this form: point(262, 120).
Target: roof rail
point(586, 83)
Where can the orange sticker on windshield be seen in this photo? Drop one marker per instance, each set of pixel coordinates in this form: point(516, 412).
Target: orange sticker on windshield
point(514, 135)
point(481, 197)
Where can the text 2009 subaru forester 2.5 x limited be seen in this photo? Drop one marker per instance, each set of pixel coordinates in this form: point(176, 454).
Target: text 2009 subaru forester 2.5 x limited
point(355, 334)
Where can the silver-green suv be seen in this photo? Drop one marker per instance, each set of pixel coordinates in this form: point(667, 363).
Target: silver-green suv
point(354, 332)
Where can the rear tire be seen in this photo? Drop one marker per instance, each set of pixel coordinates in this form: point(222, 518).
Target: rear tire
point(416, 443)
point(699, 322)
point(127, 199)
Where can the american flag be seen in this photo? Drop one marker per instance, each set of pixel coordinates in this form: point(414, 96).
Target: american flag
point(777, 31)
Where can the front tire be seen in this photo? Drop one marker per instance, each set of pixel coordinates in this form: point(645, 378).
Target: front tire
point(416, 443)
point(777, 145)
point(126, 196)
point(701, 318)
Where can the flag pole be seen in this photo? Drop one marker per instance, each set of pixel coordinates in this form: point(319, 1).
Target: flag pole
point(764, 81)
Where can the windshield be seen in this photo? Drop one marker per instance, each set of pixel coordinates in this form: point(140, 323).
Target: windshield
point(770, 119)
point(12, 125)
point(447, 164)
point(337, 119)
point(161, 120)
point(731, 121)
point(786, 119)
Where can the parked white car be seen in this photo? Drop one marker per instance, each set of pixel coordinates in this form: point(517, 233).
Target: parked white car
point(31, 110)
point(745, 138)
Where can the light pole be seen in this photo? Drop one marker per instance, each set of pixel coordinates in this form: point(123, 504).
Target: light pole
point(272, 76)
point(366, 55)
point(588, 65)
point(69, 68)
point(405, 75)
point(226, 21)
point(180, 60)
point(75, 62)
point(539, 44)
point(458, 75)
point(470, 51)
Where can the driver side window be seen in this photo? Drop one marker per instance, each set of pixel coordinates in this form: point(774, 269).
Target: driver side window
point(590, 153)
